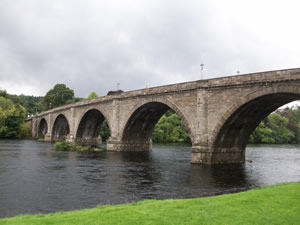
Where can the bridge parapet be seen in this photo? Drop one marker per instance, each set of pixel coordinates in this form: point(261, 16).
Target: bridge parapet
point(229, 81)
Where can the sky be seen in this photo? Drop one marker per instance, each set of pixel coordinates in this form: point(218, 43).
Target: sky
point(92, 45)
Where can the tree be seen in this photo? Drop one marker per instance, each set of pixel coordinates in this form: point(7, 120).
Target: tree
point(262, 134)
point(11, 117)
point(24, 130)
point(275, 129)
point(278, 125)
point(104, 131)
point(58, 96)
point(170, 129)
point(32, 104)
point(92, 95)
point(3, 93)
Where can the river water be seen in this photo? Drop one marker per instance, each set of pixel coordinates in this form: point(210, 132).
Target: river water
point(34, 178)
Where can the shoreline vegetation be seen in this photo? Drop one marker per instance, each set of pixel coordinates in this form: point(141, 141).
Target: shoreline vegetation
point(277, 204)
point(66, 146)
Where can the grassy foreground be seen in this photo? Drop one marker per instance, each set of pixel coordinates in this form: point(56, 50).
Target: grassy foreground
point(269, 205)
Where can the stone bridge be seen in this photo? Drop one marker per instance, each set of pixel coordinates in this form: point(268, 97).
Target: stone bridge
point(219, 114)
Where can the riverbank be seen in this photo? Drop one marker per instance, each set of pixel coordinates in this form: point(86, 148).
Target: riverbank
point(268, 205)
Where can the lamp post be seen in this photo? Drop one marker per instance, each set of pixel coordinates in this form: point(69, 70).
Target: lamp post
point(201, 65)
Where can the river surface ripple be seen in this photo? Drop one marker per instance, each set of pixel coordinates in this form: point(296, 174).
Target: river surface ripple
point(36, 179)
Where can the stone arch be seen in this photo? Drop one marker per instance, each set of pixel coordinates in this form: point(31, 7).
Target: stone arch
point(42, 128)
point(137, 130)
point(241, 119)
point(60, 128)
point(87, 132)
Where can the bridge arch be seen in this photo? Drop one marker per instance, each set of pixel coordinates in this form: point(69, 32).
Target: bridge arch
point(60, 128)
point(137, 130)
point(42, 128)
point(236, 125)
point(87, 132)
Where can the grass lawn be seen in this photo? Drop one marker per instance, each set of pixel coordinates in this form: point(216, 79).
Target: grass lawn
point(268, 205)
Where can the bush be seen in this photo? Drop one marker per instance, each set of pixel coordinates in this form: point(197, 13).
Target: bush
point(24, 130)
point(62, 146)
point(41, 140)
point(80, 148)
point(87, 148)
point(65, 146)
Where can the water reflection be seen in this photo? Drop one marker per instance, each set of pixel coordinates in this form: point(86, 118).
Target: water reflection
point(36, 179)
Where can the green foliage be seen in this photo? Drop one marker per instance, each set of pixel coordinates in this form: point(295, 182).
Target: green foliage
point(62, 146)
point(41, 140)
point(278, 128)
point(24, 130)
point(58, 96)
point(32, 104)
point(297, 132)
point(92, 95)
point(278, 125)
point(86, 148)
point(170, 129)
point(3, 93)
point(269, 205)
point(65, 146)
point(73, 100)
point(80, 148)
point(104, 131)
point(262, 134)
point(99, 149)
point(11, 117)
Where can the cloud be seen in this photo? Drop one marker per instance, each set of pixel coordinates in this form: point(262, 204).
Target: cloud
point(92, 45)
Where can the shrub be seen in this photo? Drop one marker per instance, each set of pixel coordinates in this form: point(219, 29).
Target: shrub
point(99, 149)
point(80, 148)
point(62, 146)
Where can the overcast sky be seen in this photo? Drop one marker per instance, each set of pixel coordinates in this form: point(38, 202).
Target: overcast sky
point(91, 45)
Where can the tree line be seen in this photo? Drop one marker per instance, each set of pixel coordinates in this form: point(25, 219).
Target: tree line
point(12, 117)
point(280, 127)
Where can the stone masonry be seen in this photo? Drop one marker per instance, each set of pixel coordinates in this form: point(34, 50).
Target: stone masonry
point(219, 114)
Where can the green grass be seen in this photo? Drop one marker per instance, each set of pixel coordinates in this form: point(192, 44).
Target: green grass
point(269, 205)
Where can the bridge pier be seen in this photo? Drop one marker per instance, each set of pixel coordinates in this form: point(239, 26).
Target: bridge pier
point(206, 155)
point(136, 147)
point(48, 137)
point(93, 141)
point(118, 145)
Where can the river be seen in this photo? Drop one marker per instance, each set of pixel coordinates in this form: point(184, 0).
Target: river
point(34, 178)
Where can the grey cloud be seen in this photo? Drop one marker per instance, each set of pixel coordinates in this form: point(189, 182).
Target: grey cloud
point(92, 45)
